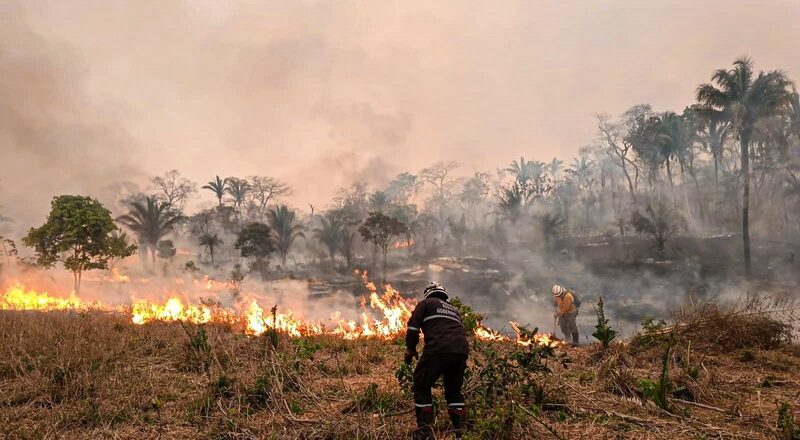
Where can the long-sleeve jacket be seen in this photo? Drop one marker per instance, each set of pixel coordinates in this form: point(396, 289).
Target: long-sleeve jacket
point(566, 304)
point(441, 324)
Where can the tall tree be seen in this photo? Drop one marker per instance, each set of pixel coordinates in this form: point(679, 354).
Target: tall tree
point(554, 167)
point(284, 222)
point(150, 221)
point(381, 230)
point(618, 146)
point(403, 188)
point(264, 189)
point(173, 189)
point(210, 242)
point(78, 233)
point(513, 199)
point(218, 187)
point(237, 188)
point(677, 136)
point(256, 241)
point(439, 176)
point(329, 233)
point(525, 170)
point(744, 99)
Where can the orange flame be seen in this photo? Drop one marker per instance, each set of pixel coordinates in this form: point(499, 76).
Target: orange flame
point(382, 315)
point(402, 244)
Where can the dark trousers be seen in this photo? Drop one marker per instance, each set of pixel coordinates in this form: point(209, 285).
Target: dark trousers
point(429, 368)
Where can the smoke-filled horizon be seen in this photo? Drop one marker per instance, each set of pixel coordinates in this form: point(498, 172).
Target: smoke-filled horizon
point(322, 95)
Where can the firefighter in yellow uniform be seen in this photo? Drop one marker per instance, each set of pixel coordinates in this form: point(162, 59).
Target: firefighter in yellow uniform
point(566, 313)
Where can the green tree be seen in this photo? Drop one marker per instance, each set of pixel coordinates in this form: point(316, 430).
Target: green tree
point(150, 222)
point(256, 241)
point(77, 233)
point(381, 230)
point(660, 222)
point(329, 233)
point(210, 242)
point(284, 222)
point(218, 187)
point(744, 98)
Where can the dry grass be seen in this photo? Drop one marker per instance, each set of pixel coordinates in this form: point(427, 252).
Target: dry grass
point(95, 375)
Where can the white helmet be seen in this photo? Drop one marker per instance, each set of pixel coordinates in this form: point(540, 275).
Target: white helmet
point(558, 290)
point(434, 287)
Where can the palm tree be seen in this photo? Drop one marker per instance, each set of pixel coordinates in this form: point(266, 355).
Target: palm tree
point(329, 233)
point(581, 168)
point(744, 99)
point(794, 113)
point(554, 166)
point(513, 200)
point(677, 135)
point(284, 222)
point(715, 130)
point(150, 221)
point(238, 189)
point(210, 241)
point(549, 224)
point(218, 187)
point(525, 170)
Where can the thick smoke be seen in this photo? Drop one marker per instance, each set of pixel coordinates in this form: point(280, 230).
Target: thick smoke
point(97, 96)
point(323, 94)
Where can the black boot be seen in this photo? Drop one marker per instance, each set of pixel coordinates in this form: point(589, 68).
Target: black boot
point(424, 429)
point(575, 339)
point(458, 417)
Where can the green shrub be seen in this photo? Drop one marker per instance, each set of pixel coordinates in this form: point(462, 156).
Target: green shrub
point(603, 332)
point(786, 423)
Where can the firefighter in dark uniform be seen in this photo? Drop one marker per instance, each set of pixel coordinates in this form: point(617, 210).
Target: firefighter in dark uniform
point(444, 354)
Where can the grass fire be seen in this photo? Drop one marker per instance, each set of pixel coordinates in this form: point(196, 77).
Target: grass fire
point(419, 220)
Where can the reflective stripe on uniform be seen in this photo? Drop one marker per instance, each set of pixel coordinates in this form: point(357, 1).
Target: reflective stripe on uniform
point(413, 329)
point(442, 316)
point(456, 404)
point(423, 405)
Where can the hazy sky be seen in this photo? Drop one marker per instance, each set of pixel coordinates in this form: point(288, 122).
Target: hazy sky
point(325, 93)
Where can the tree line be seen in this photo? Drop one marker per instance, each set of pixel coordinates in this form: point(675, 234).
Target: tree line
point(733, 152)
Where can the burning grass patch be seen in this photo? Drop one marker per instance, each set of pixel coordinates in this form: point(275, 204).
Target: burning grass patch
point(95, 375)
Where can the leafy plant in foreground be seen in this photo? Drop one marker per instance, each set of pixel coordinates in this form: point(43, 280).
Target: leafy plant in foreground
point(603, 332)
point(659, 391)
point(787, 423)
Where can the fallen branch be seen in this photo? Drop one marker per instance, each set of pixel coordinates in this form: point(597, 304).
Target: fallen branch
point(699, 405)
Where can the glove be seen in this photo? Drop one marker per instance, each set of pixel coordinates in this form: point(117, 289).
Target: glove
point(409, 356)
